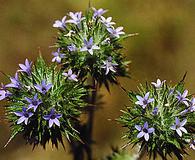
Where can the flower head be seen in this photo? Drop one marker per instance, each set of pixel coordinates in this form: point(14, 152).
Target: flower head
point(89, 46)
point(192, 144)
point(144, 131)
point(192, 105)
point(182, 97)
point(155, 111)
point(26, 67)
point(178, 126)
point(58, 56)
point(98, 12)
point(33, 102)
point(24, 116)
point(43, 88)
point(109, 66)
point(107, 21)
point(70, 75)
point(76, 18)
point(115, 33)
point(4, 93)
point(144, 101)
point(60, 24)
point(158, 84)
point(15, 82)
point(53, 118)
point(72, 48)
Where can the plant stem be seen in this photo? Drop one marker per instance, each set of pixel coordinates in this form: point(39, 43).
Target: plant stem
point(91, 120)
point(141, 154)
point(86, 130)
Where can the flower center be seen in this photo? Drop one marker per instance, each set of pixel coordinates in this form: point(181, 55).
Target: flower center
point(145, 102)
point(26, 115)
point(34, 103)
point(145, 130)
point(53, 116)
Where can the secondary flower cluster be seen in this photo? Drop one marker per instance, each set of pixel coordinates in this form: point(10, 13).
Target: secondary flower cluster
point(40, 99)
point(161, 119)
point(90, 44)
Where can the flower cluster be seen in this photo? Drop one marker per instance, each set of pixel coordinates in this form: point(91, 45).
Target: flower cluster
point(90, 45)
point(42, 103)
point(161, 119)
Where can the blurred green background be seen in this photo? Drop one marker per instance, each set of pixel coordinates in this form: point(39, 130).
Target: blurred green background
point(164, 48)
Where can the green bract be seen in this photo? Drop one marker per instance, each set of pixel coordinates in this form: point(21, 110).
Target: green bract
point(64, 97)
point(72, 39)
point(168, 106)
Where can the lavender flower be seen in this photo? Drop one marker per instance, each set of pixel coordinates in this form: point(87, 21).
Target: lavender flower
point(107, 21)
point(158, 84)
point(116, 32)
point(98, 12)
point(89, 46)
point(178, 126)
point(34, 102)
point(43, 88)
point(76, 18)
point(26, 67)
point(24, 116)
point(144, 101)
point(72, 48)
point(70, 75)
point(58, 56)
point(15, 82)
point(60, 24)
point(4, 93)
point(192, 105)
point(155, 111)
point(192, 144)
point(182, 97)
point(144, 131)
point(53, 118)
point(109, 66)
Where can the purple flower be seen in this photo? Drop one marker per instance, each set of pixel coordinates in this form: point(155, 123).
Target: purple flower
point(192, 144)
point(144, 131)
point(4, 93)
point(72, 48)
point(58, 56)
point(70, 75)
point(155, 111)
point(53, 118)
point(34, 102)
point(60, 24)
point(24, 116)
point(26, 67)
point(43, 88)
point(76, 18)
point(98, 12)
point(192, 105)
point(178, 126)
point(109, 66)
point(182, 97)
point(107, 21)
point(158, 84)
point(89, 46)
point(116, 32)
point(144, 101)
point(15, 82)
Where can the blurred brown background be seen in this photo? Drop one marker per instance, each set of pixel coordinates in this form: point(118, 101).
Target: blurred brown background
point(164, 48)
